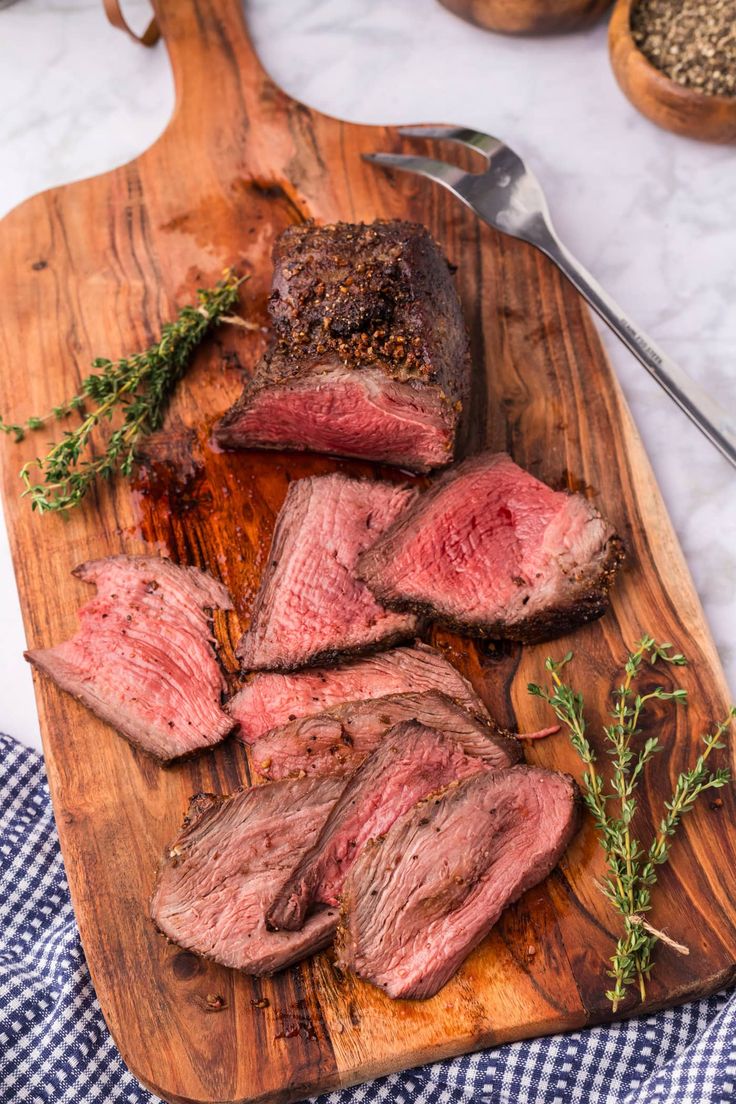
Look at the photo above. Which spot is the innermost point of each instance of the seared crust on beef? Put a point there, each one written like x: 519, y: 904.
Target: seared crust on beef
x: 589, y: 602
x: 384, y: 289
x: 331, y: 657
x: 487, y: 525
x: 352, y: 300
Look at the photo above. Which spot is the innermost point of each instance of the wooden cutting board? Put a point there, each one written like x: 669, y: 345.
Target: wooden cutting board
x: 96, y: 268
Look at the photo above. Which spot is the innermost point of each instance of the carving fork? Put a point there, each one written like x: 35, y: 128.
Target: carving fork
x: 507, y: 196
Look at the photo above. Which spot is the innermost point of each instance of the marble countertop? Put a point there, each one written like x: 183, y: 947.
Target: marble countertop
x: 652, y: 215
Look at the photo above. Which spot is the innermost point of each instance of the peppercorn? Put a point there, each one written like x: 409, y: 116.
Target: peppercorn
x: 691, y: 41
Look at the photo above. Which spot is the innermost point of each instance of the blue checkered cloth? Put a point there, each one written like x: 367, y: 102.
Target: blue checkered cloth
x: 56, y: 1049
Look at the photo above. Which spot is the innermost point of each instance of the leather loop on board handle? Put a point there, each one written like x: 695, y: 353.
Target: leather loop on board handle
x: 115, y: 15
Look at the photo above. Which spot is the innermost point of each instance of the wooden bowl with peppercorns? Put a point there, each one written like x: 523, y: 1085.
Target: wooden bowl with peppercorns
x: 677, y: 64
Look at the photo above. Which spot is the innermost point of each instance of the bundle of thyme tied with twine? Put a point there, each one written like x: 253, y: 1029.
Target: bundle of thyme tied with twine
x: 631, y: 866
x: 140, y: 385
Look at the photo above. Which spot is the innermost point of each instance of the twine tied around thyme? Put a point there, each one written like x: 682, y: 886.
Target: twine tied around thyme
x: 661, y: 936
x: 230, y: 319
x: 140, y: 386
x: 632, y: 868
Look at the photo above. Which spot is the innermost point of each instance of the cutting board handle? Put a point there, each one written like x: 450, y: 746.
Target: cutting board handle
x: 212, y: 57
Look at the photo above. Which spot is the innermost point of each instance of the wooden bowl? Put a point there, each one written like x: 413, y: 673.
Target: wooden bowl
x: 667, y: 103
x: 521, y: 17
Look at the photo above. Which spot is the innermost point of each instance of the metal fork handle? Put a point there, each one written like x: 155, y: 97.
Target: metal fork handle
x: 716, y: 423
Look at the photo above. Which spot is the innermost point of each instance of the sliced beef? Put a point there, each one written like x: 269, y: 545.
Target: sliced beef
x: 419, y: 900
x: 269, y: 699
x: 412, y: 762
x: 232, y: 855
x: 340, y: 738
x: 143, y: 657
x: 490, y: 550
x: 370, y: 354
x: 310, y: 606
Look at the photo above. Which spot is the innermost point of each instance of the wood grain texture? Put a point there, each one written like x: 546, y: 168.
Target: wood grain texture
x: 529, y: 17
x: 96, y: 268
x: 670, y: 105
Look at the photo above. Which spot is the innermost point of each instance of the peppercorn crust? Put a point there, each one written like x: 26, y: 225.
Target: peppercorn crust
x: 376, y: 299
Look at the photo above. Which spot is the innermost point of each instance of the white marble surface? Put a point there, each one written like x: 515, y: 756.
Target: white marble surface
x: 653, y: 216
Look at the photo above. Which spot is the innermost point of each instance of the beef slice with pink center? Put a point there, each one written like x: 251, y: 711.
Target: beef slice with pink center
x: 311, y: 607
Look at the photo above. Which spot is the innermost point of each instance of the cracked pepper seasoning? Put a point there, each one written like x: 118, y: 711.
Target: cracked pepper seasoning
x: 691, y: 41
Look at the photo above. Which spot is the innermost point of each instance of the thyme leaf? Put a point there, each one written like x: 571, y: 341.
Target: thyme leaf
x: 138, y: 387
x: 612, y: 801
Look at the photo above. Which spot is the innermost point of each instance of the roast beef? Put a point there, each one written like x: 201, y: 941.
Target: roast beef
x: 310, y: 606
x: 341, y: 737
x: 418, y: 901
x: 232, y: 855
x: 143, y: 658
x: 412, y: 762
x: 369, y: 356
x: 270, y: 699
x: 491, y: 551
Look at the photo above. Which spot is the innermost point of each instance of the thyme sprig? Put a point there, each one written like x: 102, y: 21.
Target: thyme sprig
x: 139, y: 386
x: 632, y: 867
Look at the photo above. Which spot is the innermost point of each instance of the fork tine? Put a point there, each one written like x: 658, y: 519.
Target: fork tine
x: 471, y: 139
x: 449, y: 175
